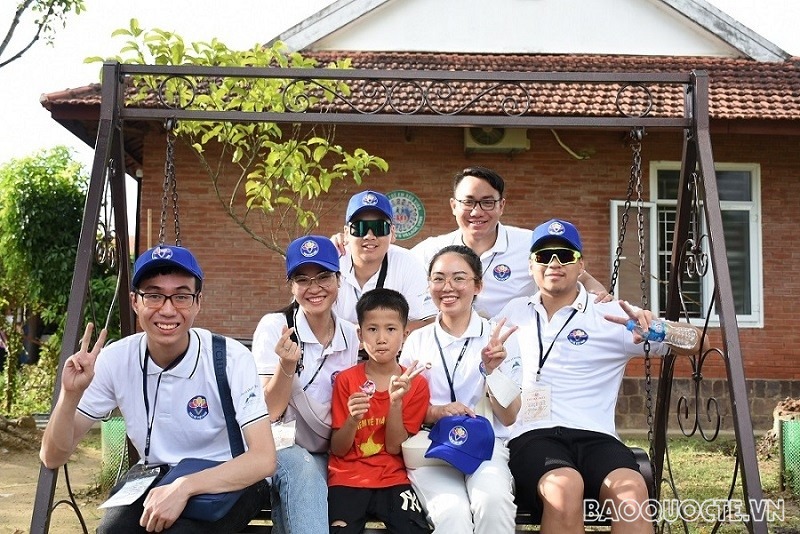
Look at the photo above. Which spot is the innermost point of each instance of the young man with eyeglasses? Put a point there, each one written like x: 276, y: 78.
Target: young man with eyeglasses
x: 163, y: 381
x: 564, y: 447
x: 372, y: 260
x: 477, y: 205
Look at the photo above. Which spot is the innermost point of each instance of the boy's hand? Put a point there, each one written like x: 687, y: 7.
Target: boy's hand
x: 494, y: 353
x: 357, y: 405
x: 399, y: 385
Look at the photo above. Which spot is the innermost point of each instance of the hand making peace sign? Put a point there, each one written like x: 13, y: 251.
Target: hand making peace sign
x: 494, y: 353
x: 79, y: 368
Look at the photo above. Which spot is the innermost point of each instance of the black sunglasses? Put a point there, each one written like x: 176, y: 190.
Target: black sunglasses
x: 565, y: 256
x: 380, y: 228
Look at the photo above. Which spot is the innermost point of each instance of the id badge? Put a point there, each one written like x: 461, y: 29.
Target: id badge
x: 283, y: 433
x: 137, y: 481
x: 536, y: 403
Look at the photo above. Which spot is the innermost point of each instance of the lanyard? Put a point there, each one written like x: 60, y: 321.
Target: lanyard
x: 381, y: 275
x: 451, y: 378
x: 303, y: 350
x: 148, y: 418
x: 544, y: 355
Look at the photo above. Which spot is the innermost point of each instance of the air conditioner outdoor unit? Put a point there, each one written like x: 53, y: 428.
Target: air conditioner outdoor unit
x: 503, y: 140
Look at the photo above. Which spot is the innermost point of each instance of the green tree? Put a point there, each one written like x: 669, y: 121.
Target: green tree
x: 41, y: 210
x: 47, y: 16
x: 275, y: 191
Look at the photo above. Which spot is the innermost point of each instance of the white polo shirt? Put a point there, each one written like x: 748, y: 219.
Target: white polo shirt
x: 468, y: 382
x: 585, y: 366
x: 319, y: 368
x: 404, y: 273
x: 184, y: 403
x: 505, y: 266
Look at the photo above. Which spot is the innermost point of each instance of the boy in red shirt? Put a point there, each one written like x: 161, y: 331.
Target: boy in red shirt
x: 376, y: 406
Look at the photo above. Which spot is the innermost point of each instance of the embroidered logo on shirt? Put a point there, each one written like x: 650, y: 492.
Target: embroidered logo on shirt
x: 578, y: 336
x: 197, y: 407
x: 501, y: 272
x: 333, y: 377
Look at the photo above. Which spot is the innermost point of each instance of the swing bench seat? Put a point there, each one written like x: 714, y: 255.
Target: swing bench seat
x: 525, y: 520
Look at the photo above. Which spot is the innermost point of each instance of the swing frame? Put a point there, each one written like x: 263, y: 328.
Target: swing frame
x: 110, y: 155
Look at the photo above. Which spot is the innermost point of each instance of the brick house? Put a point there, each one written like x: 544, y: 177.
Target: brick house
x: 573, y: 173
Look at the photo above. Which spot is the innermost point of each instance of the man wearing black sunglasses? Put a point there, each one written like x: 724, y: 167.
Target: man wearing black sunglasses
x: 564, y: 446
x: 477, y: 204
x: 372, y: 260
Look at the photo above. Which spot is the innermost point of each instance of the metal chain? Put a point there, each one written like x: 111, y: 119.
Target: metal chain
x: 636, y: 175
x: 623, y: 226
x: 170, y: 187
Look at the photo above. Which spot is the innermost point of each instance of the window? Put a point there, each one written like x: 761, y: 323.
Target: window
x: 739, y: 191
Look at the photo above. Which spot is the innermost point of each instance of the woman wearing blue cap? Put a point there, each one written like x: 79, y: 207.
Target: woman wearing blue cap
x: 466, y: 357
x: 298, y: 351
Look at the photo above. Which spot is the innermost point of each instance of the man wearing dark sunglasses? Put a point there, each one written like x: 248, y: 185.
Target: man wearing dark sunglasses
x: 564, y: 446
x: 372, y: 260
x: 477, y: 204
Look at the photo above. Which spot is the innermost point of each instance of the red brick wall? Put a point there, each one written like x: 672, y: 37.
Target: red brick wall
x: 245, y: 280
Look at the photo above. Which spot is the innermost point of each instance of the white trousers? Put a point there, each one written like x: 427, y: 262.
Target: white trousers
x: 482, y: 502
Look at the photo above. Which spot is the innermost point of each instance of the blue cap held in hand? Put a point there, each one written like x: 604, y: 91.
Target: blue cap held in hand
x: 462, y: 441
x: 165, y: 255
x: 311, y: 249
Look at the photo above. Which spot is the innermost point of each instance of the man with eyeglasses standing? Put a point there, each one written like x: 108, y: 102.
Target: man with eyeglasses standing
x: 477, y: 205
x: 164, y: 383
x: 564, y: 447
x: 372, y: 260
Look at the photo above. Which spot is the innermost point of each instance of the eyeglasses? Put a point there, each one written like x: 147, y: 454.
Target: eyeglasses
x: 380, y: 228
x: 180, y: 301
x: 486, y: 204
x: 323, y: 280
x: 458, y: 281
x: 565, y: 256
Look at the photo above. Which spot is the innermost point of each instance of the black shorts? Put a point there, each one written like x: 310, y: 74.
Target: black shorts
x: 593, y: 454
x: 397, y: 506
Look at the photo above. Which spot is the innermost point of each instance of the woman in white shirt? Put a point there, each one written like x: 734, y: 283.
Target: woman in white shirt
x: 466, y: 357
x: 304, y: 358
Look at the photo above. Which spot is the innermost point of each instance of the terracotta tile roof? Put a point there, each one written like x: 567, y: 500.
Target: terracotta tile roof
x: 739, y: 88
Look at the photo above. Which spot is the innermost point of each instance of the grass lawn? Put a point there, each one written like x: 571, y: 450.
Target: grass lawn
x: 703, y: 471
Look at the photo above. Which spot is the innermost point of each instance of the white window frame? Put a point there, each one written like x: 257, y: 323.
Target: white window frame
x: 631, y: 234
x: 755, y: 319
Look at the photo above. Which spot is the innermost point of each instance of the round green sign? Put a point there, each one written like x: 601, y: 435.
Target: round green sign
x: 409, y: 213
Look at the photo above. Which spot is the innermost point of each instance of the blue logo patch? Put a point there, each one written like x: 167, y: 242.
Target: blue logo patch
x: 501, y: 272
x: 309, y: 248
x: 458, y: 435
x: 578, y: 336
x: 556, y: 228
x: 369, y: 200
x: 197, y: 408
x: 333, y: 377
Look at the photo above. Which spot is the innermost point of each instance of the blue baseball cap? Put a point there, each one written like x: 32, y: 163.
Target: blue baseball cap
x: 165, y: 255
x: 368, y: 200
x: 462, y: 441
x: 314, y: 249
x: 557, y: 229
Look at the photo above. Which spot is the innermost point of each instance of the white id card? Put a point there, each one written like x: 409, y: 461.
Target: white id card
x: 536, y: 403
x: 137, y: 482
x: 283, y: 434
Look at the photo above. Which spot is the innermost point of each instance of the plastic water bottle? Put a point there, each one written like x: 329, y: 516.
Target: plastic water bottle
x: 681, y: 337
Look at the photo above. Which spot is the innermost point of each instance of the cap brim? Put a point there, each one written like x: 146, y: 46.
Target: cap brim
x: 459, y: 459
x: 320, y: 263
x: 155, y: 264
